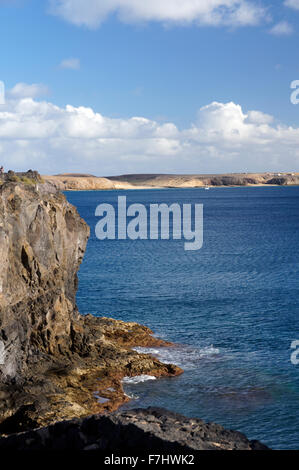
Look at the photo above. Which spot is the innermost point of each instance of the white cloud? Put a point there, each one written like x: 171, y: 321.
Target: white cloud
x: 282, y: 29
x: 257, y: 117
x: 224, y: 138
x: 71, y: 64
x: 292, y: 4
x: 91, y: 13
x: 24, y: 90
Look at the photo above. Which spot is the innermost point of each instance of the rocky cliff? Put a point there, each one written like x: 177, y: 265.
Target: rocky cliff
x: 42, y: 242
x: 56, y: 365
x: 53, y: 361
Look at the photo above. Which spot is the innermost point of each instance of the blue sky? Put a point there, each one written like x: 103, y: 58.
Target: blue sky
x: 161, y: 65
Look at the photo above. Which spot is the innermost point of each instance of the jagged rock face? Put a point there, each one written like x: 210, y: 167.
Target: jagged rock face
x: 53, y: 361
x: 42, y: 242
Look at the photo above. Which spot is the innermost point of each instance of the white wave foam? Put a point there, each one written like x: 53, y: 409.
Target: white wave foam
x: 132, y: 396
x: 137, y: 379
x: 209, y: 351
x: 182, y: 356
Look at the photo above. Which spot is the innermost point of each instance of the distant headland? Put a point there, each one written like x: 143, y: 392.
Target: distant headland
x: 81, y: 181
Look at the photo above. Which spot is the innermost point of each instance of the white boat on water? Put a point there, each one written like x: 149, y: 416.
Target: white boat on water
x: 207, y: 187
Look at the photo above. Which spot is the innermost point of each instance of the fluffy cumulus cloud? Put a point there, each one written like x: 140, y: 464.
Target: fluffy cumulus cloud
x: 92, y: 13
x: 52, y: 139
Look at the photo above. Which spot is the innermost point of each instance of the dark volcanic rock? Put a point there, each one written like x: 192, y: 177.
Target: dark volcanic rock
x: 130, y: 431
x: 42, y: 242
x: 51, y: 357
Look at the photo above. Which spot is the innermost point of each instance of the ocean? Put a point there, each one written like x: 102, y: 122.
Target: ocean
x: 232, y: 307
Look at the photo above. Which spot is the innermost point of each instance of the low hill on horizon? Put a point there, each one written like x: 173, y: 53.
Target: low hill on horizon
x: 83, y: 181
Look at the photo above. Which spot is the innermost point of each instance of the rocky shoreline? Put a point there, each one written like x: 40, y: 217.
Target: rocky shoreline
x: 145, y: 431
x: 55, y: 364
x: 87, y: 381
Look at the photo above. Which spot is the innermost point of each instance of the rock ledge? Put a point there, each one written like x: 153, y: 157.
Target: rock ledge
x: 151, y: 430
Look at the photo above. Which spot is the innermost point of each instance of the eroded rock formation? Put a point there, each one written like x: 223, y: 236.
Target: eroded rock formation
x: 53, y: 360
x: 42, y: 242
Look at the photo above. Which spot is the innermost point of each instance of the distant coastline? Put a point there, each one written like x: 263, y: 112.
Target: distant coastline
x: 86, y: 182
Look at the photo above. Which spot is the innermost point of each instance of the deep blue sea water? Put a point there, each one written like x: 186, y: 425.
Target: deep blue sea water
x: 232, y: 307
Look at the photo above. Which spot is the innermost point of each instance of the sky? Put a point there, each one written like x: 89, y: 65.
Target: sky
x: 109, y: 87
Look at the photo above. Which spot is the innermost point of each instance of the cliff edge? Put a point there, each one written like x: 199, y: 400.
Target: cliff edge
x: 55, y: 363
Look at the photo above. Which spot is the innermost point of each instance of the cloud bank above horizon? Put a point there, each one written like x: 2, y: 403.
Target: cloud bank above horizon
x: 92, y: 13
x: 52, y: 139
